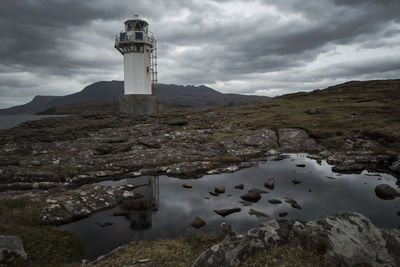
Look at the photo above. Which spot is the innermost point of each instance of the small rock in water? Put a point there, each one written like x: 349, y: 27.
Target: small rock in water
x: 213, y: 194
x: 283, y: 214
x: 319, y: 161
x: 296, y: 206
x: 206, y: 197
x: 135, y: 174
x: 270, y: 183
x: 296, y: 181
x: 239, y: 186
x: 105, y: 224
x: 198, y: 222
x: 386, y: 192
x: 280, y: 157
x: 290, y: 200
x: 274, y: 201
x: 259, y: 214
x: 226, y: 212
x: 187, y: 186
x: 258, y: 191
x: 226, y: 229
x: 309, y: 190
x: 245, y: 203
x: 251, y: 196
x: 301, y: 165
x: 219, y: 189
x: 120, y: 213
x: 398, y: 213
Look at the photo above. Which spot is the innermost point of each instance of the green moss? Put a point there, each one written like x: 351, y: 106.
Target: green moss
x: 45, y: 245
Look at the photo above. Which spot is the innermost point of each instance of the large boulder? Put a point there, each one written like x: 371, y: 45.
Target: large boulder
x: 345, y: 239
x: 296, y: 140
x: 11, y: 250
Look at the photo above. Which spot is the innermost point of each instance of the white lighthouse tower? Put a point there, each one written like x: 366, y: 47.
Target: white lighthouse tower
x: 139, y: 48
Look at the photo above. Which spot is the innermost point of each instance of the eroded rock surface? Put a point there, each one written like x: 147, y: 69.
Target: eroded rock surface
x: 346, y: 239
x: 77, y: 150
x: 83, y: 201
x: 357, y: 154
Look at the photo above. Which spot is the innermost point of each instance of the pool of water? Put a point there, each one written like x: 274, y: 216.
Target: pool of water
x: 9, y: 121
x: 320, y: 192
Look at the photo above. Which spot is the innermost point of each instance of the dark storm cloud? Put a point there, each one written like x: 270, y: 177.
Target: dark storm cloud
x: 236, y: 46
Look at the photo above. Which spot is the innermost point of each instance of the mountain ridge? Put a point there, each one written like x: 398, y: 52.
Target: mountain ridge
x: 109, y: 91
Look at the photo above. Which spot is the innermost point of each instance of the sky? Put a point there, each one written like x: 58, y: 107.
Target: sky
x: 264, y: 47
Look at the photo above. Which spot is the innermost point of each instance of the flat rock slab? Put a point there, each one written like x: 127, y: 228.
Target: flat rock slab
x: 81, y: 202
x: 226, y: 212
x: 296, y: 140
x: 350, y: 239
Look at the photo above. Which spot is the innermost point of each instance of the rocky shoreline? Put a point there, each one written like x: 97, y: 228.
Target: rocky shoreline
x: 345, y: 239
x: 63, y: 157
x: 59, y: 161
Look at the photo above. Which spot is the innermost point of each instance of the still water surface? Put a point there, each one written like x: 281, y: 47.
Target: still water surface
x: 9, y: 121
x: 178, y: 206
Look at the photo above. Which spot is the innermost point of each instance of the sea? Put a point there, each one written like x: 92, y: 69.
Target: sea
x: 10, y: 121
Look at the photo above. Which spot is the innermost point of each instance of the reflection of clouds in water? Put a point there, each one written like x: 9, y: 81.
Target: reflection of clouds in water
x: 179, y: 206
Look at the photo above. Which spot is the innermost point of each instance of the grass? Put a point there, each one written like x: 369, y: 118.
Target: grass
x: 177, y: 252
x: 286, y: 256
x: 45, y: 245
x: 183, y: 251
x: 369, y: 109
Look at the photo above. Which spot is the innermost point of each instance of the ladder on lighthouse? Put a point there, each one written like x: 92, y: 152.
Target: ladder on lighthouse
x: 153, y: 65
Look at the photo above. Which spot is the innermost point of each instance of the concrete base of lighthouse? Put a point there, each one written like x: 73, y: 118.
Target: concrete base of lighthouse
x: 138, y: 104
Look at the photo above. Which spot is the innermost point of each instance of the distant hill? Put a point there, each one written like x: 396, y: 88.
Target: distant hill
x: 104, y: 95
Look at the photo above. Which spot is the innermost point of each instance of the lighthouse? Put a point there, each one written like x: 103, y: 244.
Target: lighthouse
x: 139, y: 49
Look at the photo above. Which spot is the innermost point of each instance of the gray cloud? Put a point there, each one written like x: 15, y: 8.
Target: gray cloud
x: 265, y: 47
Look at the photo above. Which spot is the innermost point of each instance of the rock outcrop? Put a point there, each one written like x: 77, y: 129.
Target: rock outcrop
x: 75, y: 150
x: 62, y: 207
x: 345, y: 239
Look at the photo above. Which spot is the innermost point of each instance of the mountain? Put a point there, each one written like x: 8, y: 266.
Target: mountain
x: 104, y: 95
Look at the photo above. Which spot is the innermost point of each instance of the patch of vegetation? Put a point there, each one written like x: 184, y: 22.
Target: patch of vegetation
x: 286, y: 256
x: 181, y: 251
x: 368, y: 109
x: 45, y: 245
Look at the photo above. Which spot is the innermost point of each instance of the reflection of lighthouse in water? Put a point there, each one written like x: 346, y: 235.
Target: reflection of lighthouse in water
x: 142, y: 204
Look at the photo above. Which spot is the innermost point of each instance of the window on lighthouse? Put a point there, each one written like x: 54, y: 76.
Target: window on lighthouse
x: 139, y: 35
